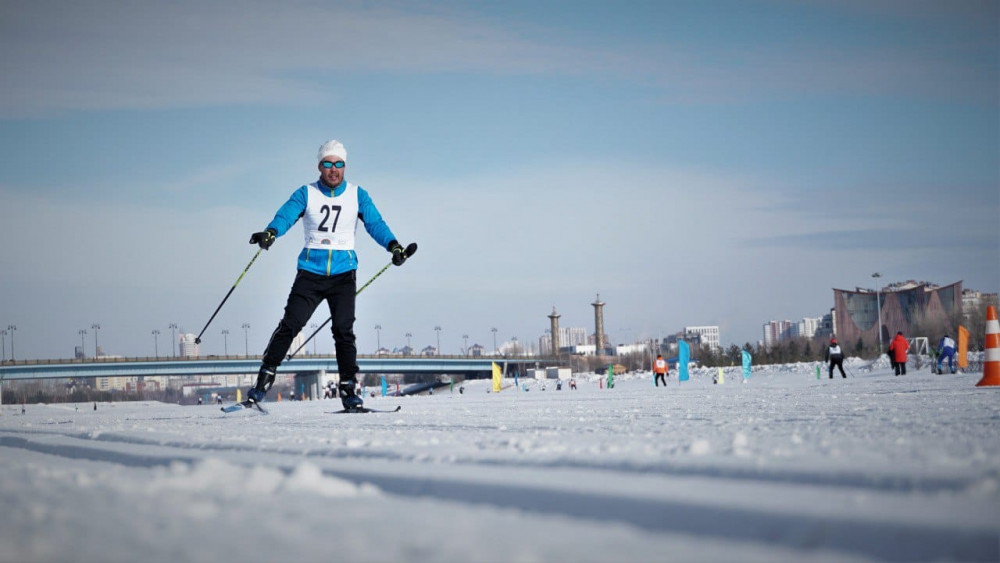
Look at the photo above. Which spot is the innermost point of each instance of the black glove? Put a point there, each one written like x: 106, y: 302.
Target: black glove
x: 398, y: 254
x: 264, y: 238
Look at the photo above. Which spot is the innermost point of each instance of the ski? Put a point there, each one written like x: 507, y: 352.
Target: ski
x: 244, y: 405
x: 364, y: 410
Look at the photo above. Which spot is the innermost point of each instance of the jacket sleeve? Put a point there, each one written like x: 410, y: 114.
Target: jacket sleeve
x: 374, y: 224
x: 290, y: 212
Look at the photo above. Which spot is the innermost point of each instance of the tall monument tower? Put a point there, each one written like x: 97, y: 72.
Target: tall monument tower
x: 598, y: 325
x: 554, y: 319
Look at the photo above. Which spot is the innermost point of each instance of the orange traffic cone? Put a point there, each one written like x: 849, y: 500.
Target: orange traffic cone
x: 991, y: 362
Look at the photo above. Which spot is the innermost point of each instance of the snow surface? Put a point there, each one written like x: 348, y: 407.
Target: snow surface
x: 784, y: 467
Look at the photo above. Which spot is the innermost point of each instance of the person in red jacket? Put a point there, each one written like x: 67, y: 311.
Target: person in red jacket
x: 897, y: 352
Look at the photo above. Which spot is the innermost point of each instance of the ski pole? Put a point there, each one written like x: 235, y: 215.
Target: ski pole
x: 197, y: 340
x: 409, y: 251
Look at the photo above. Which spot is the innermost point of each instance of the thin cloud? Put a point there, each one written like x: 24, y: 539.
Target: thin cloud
x: 59, y: 56
x: 899, y: 239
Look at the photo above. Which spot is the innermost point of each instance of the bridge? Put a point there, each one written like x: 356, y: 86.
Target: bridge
x: 470, y: 367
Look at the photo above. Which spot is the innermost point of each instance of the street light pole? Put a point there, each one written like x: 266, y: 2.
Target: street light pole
x: 3, y: 346
x: 156, y: 342
x: 438, y: 329
x: 83, y: 342
x: 314, y: 327
x: 878, y: 304
x: 465, y: 337
x: 225, y: 340
x: 378, y: 338
x: 96, y: 328
x: 494, y: 330
x: 173, y: 338
x: 12, y: 328
x: 408, y: 347
x: 246, y: 339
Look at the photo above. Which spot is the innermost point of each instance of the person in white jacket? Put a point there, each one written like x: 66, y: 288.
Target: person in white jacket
x: 835, y: 356
x: 946, y: 349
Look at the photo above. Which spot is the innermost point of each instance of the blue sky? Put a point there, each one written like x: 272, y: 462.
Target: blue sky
x: 695, y: 163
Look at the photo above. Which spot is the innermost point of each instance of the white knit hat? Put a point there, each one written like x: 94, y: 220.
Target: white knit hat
x: 332, y: 147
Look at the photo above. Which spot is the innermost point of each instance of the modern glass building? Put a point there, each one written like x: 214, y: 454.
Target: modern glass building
x: 857, y: 312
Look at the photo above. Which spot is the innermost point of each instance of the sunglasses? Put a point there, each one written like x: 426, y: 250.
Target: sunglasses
x: 327, y: 164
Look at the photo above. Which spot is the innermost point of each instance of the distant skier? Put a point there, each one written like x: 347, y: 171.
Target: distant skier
x: 327, y: 266
x: 660, y: 369
x: 835, y: 356
x: 946, y: 349
x: 897, y: 352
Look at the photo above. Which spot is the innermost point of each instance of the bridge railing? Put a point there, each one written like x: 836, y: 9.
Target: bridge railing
x: 131, y: 359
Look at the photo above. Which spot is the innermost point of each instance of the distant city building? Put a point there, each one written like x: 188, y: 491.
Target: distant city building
x: 825, y: 329
x: 188, y: 347
x: 900, y: 304
x: 695, y: 336
x: 972, y: 300
x: 669, y: 343
x: 114, y: 383
x: 476, y: 351
x: 776, y: 331
x: 568, y: 338
x: 626, y: 349
x: 709, y: 335
x: 429, y: 351
x: 807, y: 327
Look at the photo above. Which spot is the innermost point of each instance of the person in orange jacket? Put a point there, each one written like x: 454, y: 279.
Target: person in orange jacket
x: 897, y: 352
x: 660, y: 369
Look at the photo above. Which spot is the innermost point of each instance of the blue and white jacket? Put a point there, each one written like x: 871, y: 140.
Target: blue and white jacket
x: 329, y: 261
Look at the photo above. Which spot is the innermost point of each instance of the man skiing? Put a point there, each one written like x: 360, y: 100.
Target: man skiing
x: 835, y: 356
x: 946, y: 348
x: 327, y: 266
x: 660, y: 369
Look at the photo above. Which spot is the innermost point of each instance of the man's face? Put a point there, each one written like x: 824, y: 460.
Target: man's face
x: 331, y: 176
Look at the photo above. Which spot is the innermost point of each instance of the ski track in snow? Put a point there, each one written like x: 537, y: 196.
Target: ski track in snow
x: 783, y: 468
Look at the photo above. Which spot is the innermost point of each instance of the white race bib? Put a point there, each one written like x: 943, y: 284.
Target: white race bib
x: 330, y: 222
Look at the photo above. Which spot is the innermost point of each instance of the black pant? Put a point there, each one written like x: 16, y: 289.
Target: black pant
x: 308, y: 291
x: 660, y: 377
x: 839, y: 362
x: 900, y: 368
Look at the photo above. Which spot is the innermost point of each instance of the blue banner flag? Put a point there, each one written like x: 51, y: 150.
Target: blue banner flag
x: 747, y: 359
x: 385, y: 386
x: 683, y: 357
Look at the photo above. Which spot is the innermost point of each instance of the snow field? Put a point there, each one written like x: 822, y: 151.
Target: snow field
x: 782, y: 468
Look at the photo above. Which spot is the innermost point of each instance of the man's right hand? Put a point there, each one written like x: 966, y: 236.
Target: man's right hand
x: 264, y: 238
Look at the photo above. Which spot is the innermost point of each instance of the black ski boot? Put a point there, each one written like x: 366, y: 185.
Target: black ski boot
x: 350, y: 399
x: 265, y: 379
